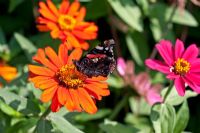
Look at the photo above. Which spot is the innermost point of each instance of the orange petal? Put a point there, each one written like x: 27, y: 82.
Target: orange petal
x: 74, y: 96
x: 64, y: 6
x: 44, y: 10
x: 69, y: 104
x: 55, y: 105
x: 93, y: 92
x: 8, y: 73
x: 81, y: 14
x: 46, y: 84
x: 52, y: 7
x: 84, y: 35
x: 53, y: 57
x: 38, y: 79
x: 99, y: 78
x: 63, y: 53
x: 99, y: 84
x: 48, y: 94
x: 86, y: 101
x: 84, y: 46
x: 52, y: 26
x: 73, y: 8
x: 42, y: 20
x: 92, y: 28
x: 97, y: 90
x: 38, y: 70
x: 55, y: 33
x: 42, y: 28
x: 73, y: 41
x: 74, y: 55
x: 62, y: 95
x: 40, y: 58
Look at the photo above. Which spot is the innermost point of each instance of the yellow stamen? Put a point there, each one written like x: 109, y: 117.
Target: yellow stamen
x: 181, y: 66
x: 69, y: 76
x: 66, y: 22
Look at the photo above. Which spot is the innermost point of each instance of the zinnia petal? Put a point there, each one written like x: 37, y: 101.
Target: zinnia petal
x: 157, y: 65
x: 55, y: 105
x: 165, y: 49
x: 48, y: 94
x: 75, y: 55
x: 180, y: 86
x: 191, y: 53
x: 179, y: 49
x: 64, y: 7
x: 86, y: 101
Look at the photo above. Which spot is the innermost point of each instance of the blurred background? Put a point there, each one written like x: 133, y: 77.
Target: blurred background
x: 136, y: 26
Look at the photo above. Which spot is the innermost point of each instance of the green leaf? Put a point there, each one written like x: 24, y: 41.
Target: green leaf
x: 23, y: 126
x: 115, y: 127
x: 144, y: 5
x: 13, y: 4
x: 133, y: 49
x: 174, y: 99
x: 83, y: 117
x: 62, y: 124
x: 182, y: 17
x: 8, y: 110
x: 163, y: 117
x: 96, y: 9
x: 139, y: 106
x: 14, y: 47
x: 115, y: 82
x: 26, y: 45
x: 182, y: 118
x: 128, y: 12
x: 44, y: 126
x: 140, y: 122
x: 21, y: 104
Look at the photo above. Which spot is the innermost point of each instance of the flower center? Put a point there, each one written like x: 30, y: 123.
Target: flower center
x: 66, y: 22
x: 181, y: 66
x: 70, y: 77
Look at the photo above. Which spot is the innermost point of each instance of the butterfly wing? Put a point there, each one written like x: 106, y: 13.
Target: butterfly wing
x: 99, y: 61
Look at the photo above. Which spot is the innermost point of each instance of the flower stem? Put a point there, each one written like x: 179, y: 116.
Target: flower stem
x: 168, y: 91
x: 43, y: 116
x: 118, y: 108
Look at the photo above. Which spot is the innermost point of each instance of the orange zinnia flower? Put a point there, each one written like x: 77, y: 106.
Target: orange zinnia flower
x: 67, y: 23
x: 8, y: 73
x: 63, y: 84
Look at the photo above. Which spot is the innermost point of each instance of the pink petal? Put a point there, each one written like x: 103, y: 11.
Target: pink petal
x: 192, y: 85
x: 166, y: 51
x: 157, y: 65
x: 179, y: 49
x: 121, y: 66
x: 180, y: 86
x: 195, y: 77
x: 195, y: 66
x: 153, y: 97
x: 191, y: 53
x: 172, y: 76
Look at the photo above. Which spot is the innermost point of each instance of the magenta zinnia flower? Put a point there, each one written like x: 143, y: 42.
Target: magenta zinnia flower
x: 180, y: 65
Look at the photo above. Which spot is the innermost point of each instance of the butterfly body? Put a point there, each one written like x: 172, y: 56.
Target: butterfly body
x: 99, y: 61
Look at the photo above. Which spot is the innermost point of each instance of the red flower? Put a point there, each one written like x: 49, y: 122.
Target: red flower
x: 180, y: 64
x: 63, y: 84
x: 67, y: 23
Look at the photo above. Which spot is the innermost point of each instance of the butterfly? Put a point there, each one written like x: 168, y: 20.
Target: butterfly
x: 99, y: 61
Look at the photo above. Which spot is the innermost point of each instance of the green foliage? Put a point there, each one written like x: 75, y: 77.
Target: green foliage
x: 128, y: 12
x: 146, y: 22
x: 163, y: 117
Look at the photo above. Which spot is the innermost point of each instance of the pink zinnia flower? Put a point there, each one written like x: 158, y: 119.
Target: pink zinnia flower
x: 180, y: 65
x: 141, y: 82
